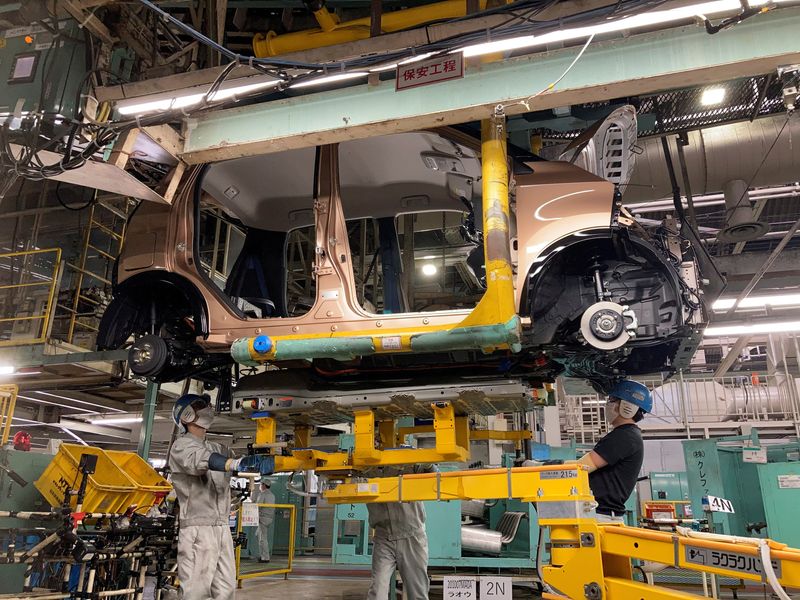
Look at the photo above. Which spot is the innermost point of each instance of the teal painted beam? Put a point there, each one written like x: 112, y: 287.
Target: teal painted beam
x: 639, y: 64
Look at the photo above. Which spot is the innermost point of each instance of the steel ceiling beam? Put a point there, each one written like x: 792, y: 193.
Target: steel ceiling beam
x: 631, y: 66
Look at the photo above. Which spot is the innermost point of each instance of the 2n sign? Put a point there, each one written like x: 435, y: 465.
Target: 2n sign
x: 716, y: 504
x: 495, y: 588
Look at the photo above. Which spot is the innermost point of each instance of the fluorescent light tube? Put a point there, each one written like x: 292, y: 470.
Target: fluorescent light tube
x: 758, y: 302
x: 407, y: 61
x: 329, y: 79
x: 755, y: 328
x: 645, y: 19
x: 185, y: 98
x: 116, y: 421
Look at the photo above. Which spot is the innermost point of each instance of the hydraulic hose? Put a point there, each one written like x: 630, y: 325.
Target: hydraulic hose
x: 766, y: 564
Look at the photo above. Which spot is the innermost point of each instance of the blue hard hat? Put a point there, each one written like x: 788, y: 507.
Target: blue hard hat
x: 633, y: 392
x: 186, y: 407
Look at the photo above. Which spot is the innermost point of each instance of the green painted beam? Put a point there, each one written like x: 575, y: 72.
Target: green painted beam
x: 638, y: 64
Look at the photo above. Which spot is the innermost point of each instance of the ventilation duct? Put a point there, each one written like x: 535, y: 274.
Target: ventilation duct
x: 739, y: 223
x: 718, y: 155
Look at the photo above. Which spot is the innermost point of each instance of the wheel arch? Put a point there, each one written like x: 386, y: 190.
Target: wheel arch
x: 130, y: 308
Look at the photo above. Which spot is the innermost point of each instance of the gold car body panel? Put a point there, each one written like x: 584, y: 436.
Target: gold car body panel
x: 554, y: 201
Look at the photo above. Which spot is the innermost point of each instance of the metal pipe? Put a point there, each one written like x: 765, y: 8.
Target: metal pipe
x: 766, y: 266
x: 478, y: 539
x: 714, y: 199
x: 148, y: 415
x: 331, y: 32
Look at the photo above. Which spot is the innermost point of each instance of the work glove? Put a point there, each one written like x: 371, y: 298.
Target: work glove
x: 263, y: 465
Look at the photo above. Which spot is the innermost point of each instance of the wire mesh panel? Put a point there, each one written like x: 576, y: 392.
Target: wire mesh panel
x: 688, y: 109
x: 28, y: 281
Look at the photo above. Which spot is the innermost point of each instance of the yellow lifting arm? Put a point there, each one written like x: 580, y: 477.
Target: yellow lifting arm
x: 588, y: 560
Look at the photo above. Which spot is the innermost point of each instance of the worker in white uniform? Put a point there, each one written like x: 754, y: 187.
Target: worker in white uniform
x: 266, y: 514
x: 400, y: 542
x: 201, y: 472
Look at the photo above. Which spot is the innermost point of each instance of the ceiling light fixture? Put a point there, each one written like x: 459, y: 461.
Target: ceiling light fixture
x: 712, y: 96
x: 752, y: 329
x: 429, y: 270
x: 646, y: 19
x: 116, y: 421
x: 7, y: 370
x: 757, y: 302
x: 329, y: 79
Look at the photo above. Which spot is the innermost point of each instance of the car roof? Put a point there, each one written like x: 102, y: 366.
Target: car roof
x: 379, y: 177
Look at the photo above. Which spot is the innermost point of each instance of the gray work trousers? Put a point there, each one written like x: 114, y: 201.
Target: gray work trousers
x: 410, y: 557
x: 206, y: 564
x: 263, y: 538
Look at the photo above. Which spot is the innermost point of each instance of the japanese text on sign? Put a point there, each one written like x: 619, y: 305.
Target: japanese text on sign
x: 249, y: 514
x: 459, y: 588
x: 495, y: 588
x: 754, y: 455
x: 735, y: 561
x: 433, y: 70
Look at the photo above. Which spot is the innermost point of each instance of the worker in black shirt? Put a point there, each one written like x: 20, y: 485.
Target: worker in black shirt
x: 616, y: 460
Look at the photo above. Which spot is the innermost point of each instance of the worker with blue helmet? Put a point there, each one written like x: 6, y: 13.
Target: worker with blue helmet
x: 201, y: 472
x: 616, y: 460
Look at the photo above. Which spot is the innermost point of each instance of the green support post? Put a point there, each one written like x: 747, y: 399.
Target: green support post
x: 148, y: 414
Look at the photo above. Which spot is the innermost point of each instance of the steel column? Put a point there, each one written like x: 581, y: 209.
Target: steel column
x: 148, y: 414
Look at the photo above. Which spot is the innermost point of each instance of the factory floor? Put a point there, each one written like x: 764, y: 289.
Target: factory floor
x: 318, y: 578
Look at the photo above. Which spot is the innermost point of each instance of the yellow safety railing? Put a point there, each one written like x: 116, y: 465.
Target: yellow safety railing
x: 28, y: 287
x: 8, y: 400
x: 290, y: 557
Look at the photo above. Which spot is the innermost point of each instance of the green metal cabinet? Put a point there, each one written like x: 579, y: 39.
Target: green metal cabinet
x: 780, y: 487
x: 31, y: 71
x: 29, y: 466
x: 669, y: 486
x: 717, y: 468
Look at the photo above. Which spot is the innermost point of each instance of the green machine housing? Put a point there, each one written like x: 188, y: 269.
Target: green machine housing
x: 14, y: 497
x: 41, y: 71
x: 762, y: 493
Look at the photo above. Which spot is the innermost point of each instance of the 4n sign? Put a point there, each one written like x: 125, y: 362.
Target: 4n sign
x: 715, y: 504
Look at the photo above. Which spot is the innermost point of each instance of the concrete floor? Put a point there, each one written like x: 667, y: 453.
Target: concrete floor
x: 304, y: 589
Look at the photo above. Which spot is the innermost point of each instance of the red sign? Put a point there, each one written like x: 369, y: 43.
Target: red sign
x: 433, y: 70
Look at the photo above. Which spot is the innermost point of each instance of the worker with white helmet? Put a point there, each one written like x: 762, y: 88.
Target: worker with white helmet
x: 615, y: 462
x: 266, y: 514
x: 201, y: 472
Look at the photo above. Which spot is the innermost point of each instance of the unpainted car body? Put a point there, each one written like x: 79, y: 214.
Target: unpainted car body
x: 600, y: 296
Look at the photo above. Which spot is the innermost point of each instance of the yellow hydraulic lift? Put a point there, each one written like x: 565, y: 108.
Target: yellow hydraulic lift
x: 588, y: 559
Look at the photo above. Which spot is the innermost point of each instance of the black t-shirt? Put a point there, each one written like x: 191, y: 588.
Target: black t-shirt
x: 622, y: 448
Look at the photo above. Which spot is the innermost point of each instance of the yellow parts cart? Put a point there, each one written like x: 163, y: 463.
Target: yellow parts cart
x: 589, y: 560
